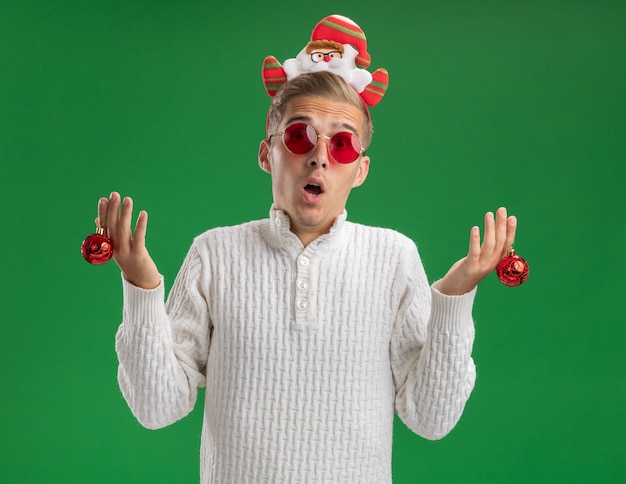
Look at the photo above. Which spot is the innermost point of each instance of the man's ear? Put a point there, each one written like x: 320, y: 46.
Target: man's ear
x: 264, y: 156
x: 361, y: 175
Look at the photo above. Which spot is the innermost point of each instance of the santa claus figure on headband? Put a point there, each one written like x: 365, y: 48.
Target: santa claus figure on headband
x: 327, y: 55
x: 337, y: 45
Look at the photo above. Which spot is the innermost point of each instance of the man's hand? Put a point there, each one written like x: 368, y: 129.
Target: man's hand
x: 481, y: 260
x: 130, y: 251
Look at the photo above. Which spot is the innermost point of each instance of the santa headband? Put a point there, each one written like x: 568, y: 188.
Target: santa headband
x: 337, y: 45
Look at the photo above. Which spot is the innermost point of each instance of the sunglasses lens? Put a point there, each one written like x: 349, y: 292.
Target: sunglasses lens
x: 300, y: 138
x: 345, y: 147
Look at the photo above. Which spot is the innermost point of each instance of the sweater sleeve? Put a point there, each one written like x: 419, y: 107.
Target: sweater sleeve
x: 431, y: 348
x: 163, y: 348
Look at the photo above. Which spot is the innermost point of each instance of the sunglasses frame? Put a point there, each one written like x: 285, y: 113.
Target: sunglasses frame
x: 360, y: 153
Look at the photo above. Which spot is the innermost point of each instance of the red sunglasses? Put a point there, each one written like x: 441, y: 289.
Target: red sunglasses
x: 300, y: 138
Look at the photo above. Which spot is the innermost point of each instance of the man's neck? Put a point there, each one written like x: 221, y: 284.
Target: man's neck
x: 308, y: 235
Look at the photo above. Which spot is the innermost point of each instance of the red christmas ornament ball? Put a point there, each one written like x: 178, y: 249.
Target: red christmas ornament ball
x: 512, y: 270
x: 97, y: 249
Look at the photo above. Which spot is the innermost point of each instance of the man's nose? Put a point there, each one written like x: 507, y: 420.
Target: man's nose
x: 327, y: 57
x: 319, y: 154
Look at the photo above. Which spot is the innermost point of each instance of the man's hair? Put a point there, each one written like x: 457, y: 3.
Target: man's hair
x: 317, y: 84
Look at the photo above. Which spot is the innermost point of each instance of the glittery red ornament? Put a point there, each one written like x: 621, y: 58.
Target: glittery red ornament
x: 97, y: 248
x: 512, y: 270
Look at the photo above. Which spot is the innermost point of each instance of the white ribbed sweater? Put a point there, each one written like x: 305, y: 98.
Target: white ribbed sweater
x: 305, y: 352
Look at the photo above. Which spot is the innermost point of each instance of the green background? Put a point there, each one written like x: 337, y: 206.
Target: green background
x: 490, y: 103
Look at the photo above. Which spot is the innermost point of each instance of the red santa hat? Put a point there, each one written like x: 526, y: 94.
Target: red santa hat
x: 344, y: 31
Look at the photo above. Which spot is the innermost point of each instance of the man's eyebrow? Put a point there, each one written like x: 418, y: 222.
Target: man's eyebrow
x: 306, y: 119
x: 302, y: 118
x: 348, y: 127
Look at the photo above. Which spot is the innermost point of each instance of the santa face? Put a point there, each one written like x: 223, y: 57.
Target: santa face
x: 336, y: 58
x: 312, y: 188
x: 322, y: 59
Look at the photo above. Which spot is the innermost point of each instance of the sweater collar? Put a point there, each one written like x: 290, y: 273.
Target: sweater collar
x: 279, y: 233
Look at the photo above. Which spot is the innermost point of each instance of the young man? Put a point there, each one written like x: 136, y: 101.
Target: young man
x: 309, y: 331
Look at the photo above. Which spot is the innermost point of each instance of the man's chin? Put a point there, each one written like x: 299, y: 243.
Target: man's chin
x: 309, y: 217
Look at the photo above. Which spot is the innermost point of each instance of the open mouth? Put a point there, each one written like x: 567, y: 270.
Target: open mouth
x: 313, y: 189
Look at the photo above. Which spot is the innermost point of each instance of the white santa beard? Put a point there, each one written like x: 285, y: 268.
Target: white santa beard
x: 318, y: 67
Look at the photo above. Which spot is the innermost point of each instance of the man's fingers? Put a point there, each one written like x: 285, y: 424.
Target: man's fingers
x: 113, y: 215
x: 489, y: 239
x: 123, y: 230
x: 474, y: 246
x: 511, y: 228
x: 501, y: 230
x: 140, y: 229
x: 118, y: 221
x: 103, y: 207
